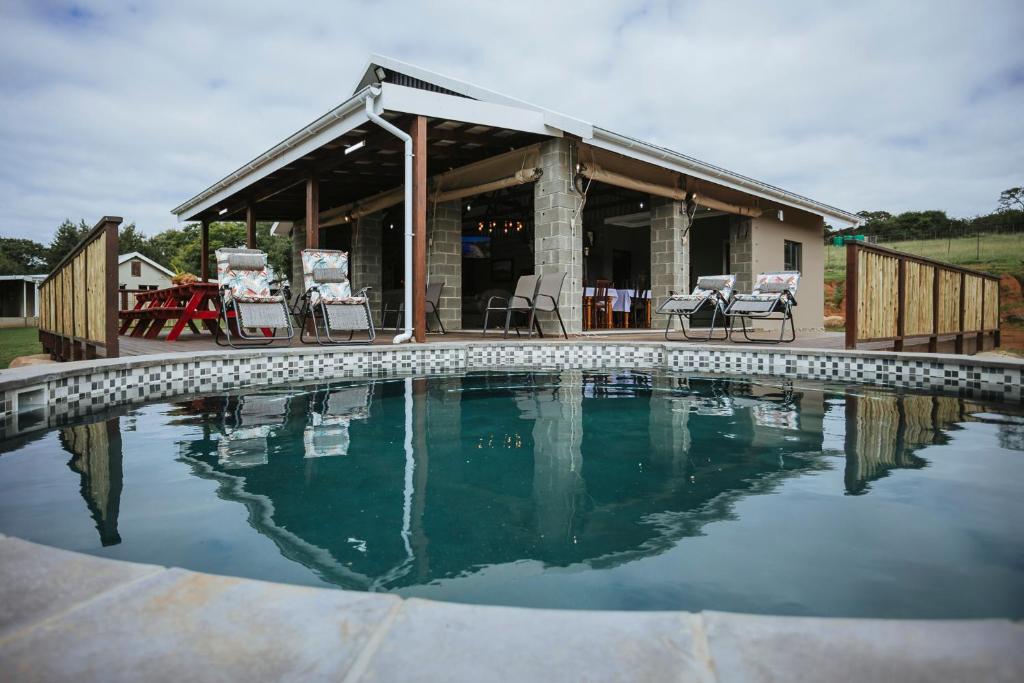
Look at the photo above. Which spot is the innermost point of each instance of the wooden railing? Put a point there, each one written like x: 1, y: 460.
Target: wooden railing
x: 896, y: 297
x: 78, y: 300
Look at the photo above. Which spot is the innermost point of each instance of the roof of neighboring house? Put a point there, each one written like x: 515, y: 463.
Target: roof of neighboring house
x: 411, y: 89
x: 125, y: 258
x: 25, y: 278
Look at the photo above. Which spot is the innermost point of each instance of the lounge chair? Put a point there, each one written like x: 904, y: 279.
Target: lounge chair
x: 329, y: 302
x: 396, y: 305
x: 244, y: 280
x: 712, y: 294
x: 521, y: 302
x: 773, y: 298
x: 331, y: 412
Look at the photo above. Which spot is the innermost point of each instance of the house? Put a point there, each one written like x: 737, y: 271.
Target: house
x: 19, y: 300
x: 138, y: 272
x: 425, y: 177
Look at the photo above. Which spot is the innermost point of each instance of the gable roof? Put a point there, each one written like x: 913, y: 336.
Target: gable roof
x: 125, y: 258
x: 414, y: 90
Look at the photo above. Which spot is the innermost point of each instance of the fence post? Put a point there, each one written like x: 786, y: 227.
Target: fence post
x: 901, y: 298
x: 110, y: 243
x: 933, y: 341
x: 959, y: 344
x: 851, y: 294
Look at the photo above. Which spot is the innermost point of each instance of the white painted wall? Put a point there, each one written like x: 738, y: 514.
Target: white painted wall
x: 149, y: 276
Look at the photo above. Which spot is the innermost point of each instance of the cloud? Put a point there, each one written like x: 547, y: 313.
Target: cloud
x: 874, y: 105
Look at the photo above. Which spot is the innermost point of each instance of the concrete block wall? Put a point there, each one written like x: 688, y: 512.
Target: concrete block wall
x: 444, y: 260
x: 741, y: 252
x: 670, y: 254
x: 365, y: 264
x: 558, y: 245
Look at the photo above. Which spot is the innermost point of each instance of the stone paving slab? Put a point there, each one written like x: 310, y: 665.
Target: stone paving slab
x: 756, y: 648
x: 178, y: 625
x: 435, y: 641
x: 38, y: 582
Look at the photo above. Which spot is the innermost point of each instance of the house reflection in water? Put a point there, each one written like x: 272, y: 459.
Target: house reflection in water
x: 394, y: 483
x: 96, y: 455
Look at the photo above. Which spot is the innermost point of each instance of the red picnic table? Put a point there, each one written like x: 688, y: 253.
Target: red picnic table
x: 182, y: 305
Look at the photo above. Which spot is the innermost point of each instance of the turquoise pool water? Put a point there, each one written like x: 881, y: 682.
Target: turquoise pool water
x: 555, y: 489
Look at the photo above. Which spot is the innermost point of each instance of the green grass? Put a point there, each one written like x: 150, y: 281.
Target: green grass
x: 997, y: 254
x: 18, y: 341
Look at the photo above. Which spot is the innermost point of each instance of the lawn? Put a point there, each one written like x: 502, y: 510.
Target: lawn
x: 997, y: 254
x: 18, y: 341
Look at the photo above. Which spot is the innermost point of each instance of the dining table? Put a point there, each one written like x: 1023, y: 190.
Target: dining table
x: 195, y: 305
x: 618, y: 300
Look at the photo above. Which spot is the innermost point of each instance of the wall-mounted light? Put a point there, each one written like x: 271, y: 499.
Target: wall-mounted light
x: 353, y: 148
x: 381, y: 73
x: 641, y: 205
x: 222, y: 211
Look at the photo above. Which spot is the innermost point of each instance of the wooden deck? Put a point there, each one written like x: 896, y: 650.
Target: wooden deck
x: 132, y: 346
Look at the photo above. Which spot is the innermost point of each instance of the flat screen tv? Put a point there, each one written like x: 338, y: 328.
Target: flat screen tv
x: 476, y: 246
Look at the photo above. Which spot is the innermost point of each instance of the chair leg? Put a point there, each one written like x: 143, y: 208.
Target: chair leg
x: 437, y: 314
x: 562, y: 324
x: 508, y: 323
x: 530, y: 320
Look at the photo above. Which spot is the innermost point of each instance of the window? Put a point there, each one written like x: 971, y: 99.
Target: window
x: 136, y: 268
x: 793, y: 256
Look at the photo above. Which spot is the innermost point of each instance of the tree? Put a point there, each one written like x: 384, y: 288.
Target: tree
x: 21, y: 256
x: 1012, y: 199
x: 131, y: 239
x: 66, y: 238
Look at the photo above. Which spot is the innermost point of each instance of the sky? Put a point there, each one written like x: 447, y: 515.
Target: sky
x: 131, y: 108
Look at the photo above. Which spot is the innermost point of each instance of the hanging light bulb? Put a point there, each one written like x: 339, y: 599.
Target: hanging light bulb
x: 480, y: 226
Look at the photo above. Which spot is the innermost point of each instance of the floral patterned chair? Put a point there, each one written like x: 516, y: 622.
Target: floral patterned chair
x: 329, y: 301
x: 773, y: 298
x: 711, y: 295
x: 250, y: 313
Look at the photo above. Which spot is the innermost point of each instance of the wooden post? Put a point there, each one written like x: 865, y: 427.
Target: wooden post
x: 312, y: 212
x: 959, y: 344
x: 418, y: 131
x: 204, y: 251
x: 933, y: 341
x: 250, y: 226
x: 110, y: 342
x: 901, y: 302
x: 995, y: 335
x: 851, y: 295
x: 979, y: 342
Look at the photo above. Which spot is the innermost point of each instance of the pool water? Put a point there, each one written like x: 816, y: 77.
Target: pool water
x: 584, y: 490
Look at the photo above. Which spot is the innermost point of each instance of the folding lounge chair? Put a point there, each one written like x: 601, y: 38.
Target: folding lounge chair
x: 246, y: 302
x: 329, y: 301
x: 520, y: 302
x: 711, y: 294
x: 773, y: 298
x: 331, y: 412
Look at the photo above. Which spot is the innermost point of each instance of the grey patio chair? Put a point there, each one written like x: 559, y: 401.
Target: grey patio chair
x: 246, y: 303
x: 773, y: 298
x: 396, y: 305
x: 521, y: 302
x: 329, y: 301
x: 548, y: 291
x: 712, y: 294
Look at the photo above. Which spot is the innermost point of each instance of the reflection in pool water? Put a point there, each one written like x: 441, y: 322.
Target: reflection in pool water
x: 569, y: 489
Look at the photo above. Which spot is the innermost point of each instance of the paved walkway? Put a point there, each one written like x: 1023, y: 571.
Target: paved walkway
x: 66, y: 616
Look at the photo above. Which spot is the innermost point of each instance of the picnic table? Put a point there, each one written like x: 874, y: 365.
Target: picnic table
x: 182, y: 305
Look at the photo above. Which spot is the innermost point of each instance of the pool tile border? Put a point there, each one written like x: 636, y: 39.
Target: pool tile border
x: 72, y: 390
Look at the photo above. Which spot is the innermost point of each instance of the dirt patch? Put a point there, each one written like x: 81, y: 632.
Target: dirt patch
x: 35, y: 359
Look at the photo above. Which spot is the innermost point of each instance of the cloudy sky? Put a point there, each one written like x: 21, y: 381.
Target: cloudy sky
x: 131, y: 108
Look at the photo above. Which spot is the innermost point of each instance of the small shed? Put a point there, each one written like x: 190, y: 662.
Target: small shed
x: 19, y: 300
x: 139, y: 272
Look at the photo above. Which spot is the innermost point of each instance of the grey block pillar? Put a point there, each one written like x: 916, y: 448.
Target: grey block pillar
x: 670, y: 251
x: 444, y: 260
x: 741, y: 252
x: 366, y: 259
x: 558, y: 246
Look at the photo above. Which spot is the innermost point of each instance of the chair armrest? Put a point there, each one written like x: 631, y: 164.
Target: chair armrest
x: 497, y: 298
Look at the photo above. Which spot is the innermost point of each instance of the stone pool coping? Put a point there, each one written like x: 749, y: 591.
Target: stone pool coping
x: 70, y: 616
x: 66, y: 616
x: 71, y: 390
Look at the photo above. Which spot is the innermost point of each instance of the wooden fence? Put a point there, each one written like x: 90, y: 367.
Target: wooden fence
x: 78, y: 300
x: 894, y: 297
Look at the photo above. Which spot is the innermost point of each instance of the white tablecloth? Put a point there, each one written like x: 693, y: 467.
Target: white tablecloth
x: 622, y: 299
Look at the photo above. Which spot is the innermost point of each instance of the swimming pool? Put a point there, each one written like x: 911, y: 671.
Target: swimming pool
x: 572, y: 489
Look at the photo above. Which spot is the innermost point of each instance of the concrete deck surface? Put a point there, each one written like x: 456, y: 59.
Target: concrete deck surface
x: 66, y: 616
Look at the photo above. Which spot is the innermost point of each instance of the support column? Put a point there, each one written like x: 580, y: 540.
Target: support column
x: 444, y: 259
x: 204, y: 250
x: 741, y: 252
x: 366, y: 264
x: 250, y: 227
x: 557, y: 244
x: 298, y: 283
x: 670, y: 250
x: 418, y: 131
x: 312, y: 212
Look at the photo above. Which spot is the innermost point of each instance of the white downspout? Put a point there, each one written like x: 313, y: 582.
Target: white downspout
x: 407, y: 139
